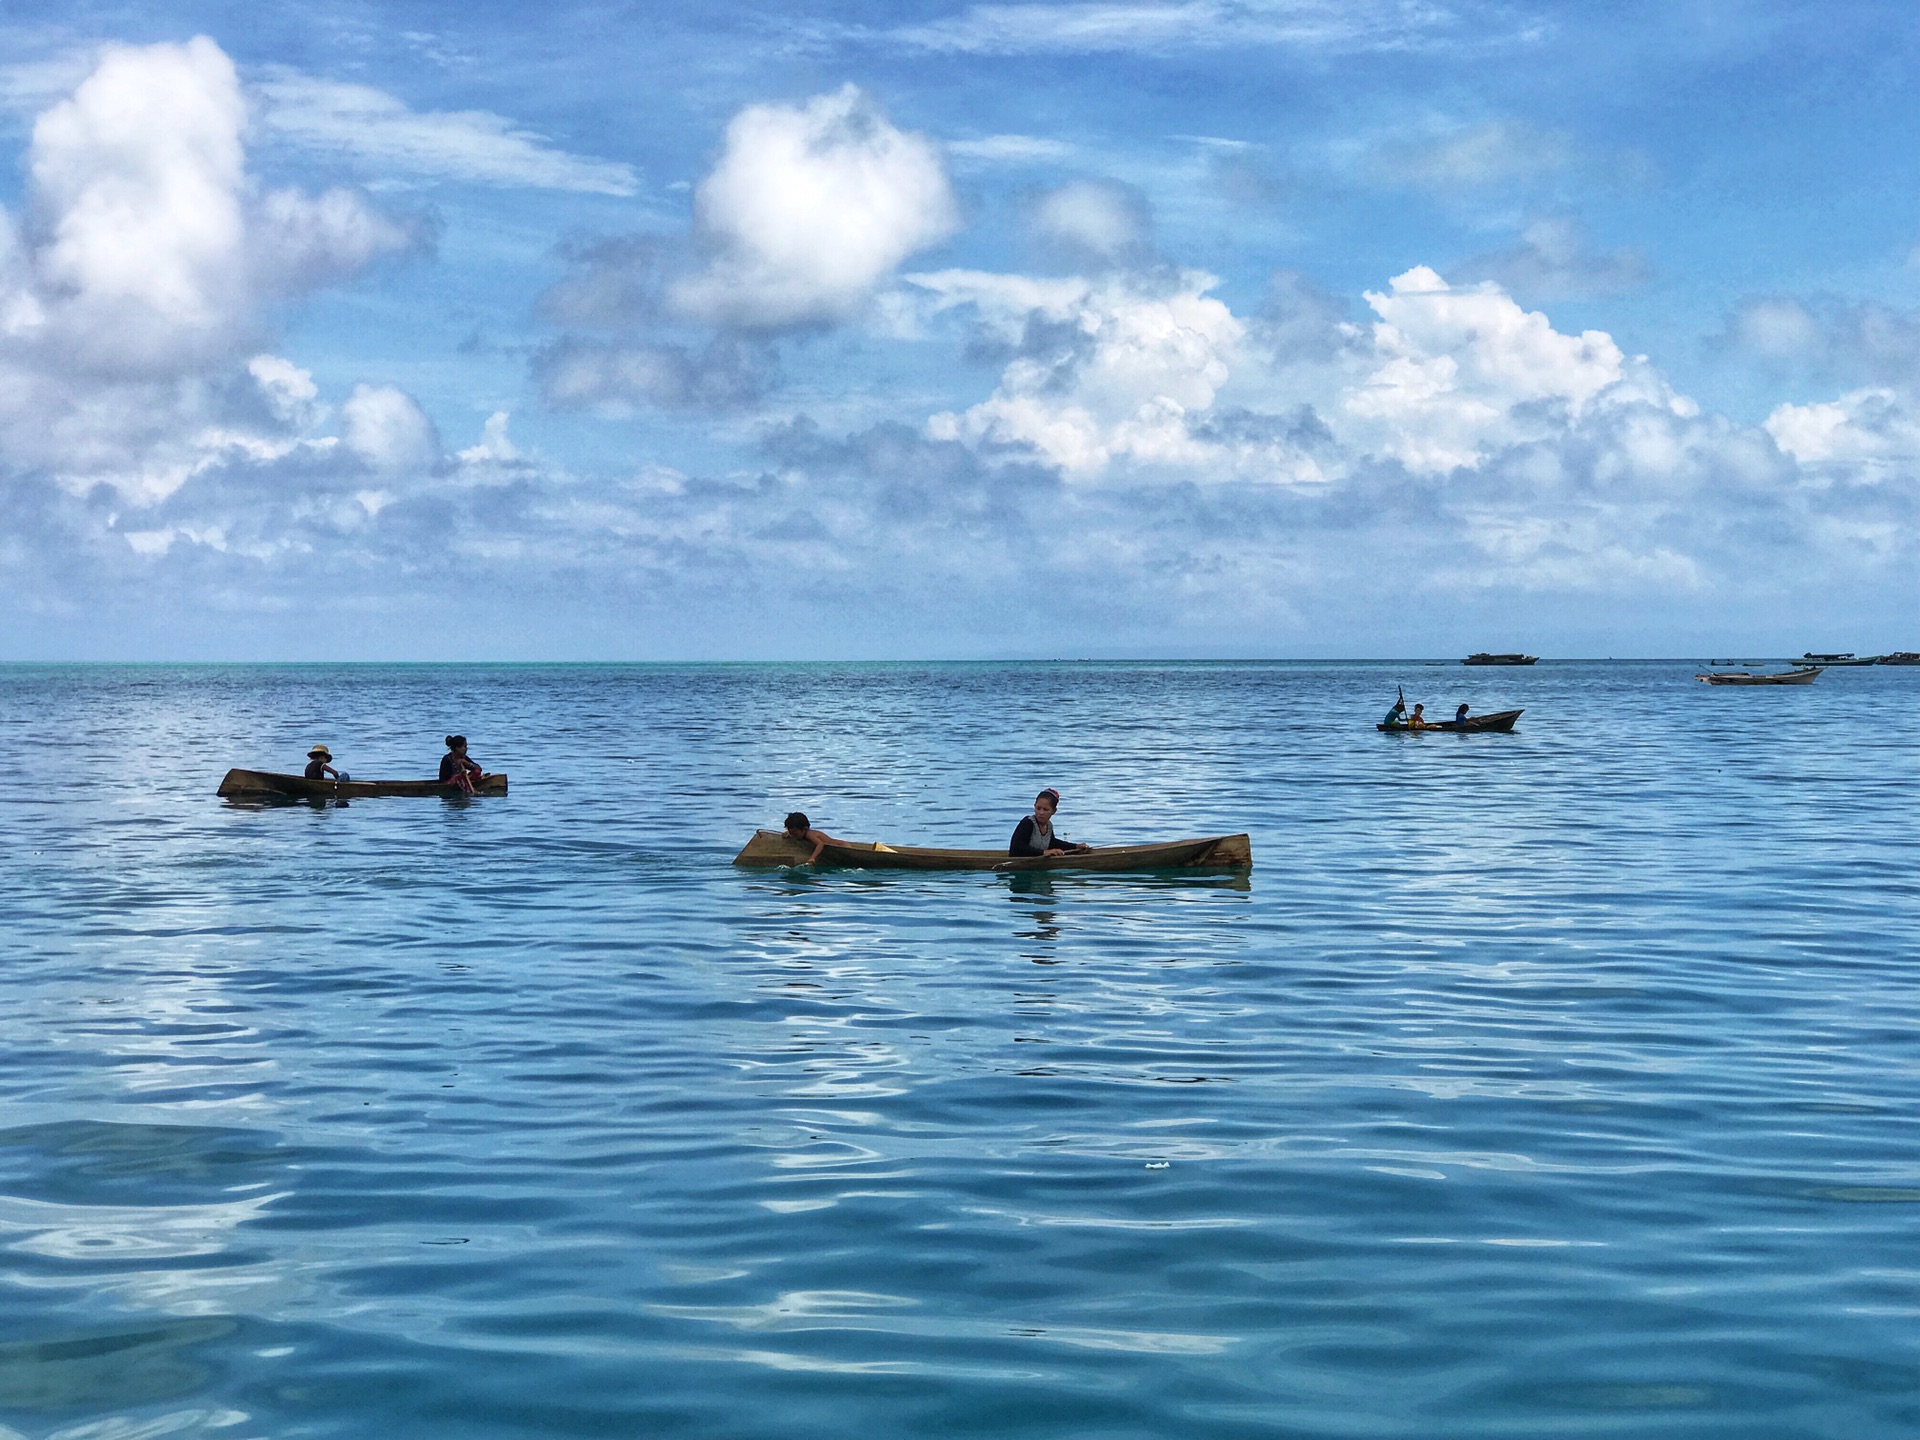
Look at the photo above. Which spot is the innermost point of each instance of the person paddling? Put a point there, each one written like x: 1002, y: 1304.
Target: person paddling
x: 456, y: 769
x: 800, y: 830
x: 1034, y: 834
x: 320, y: 764
x: 1397, y: 715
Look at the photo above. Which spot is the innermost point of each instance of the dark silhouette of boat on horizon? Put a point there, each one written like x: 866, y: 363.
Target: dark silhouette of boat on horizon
x: 1481, y: 657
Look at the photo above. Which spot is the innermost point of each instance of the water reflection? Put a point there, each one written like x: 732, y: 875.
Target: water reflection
x: 132, y: 1365
x: 1033, y: 892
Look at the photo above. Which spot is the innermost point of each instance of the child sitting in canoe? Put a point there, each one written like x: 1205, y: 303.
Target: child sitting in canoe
x: 1034, y: 834
x: 800, y: 830
x: 456, y: 769
x: 1418, y: 720
x: 1397, y: 716
x: 320, y: 764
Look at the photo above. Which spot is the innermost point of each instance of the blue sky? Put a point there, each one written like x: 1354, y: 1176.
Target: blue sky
x: 626, y: 331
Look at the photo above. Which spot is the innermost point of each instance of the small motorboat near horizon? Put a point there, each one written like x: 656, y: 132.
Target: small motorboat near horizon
x: 1481, y: 657
x: 1499, y: 722
x: 770, y: 848
x: 1805, y: 676
x: 1846, y: 657
x: 266, y: 785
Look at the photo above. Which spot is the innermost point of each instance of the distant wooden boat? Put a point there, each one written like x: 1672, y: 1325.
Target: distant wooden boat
x: 1846, y: 657
x: 265, y: 785
x: 1499, y: 720
x: 1901, y: 657
x: 1481, y: 657
x: 1215, y: 852
x: 1741, y: 677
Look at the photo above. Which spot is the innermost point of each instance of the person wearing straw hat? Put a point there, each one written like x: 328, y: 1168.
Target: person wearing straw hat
x: 320, y: 764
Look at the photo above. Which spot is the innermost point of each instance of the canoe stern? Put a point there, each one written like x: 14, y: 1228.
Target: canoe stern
x: 1229, y: 852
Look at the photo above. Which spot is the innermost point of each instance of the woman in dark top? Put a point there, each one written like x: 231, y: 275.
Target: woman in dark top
x: 456, y: 768
x: 1034, y: 834
x: 320, y: 764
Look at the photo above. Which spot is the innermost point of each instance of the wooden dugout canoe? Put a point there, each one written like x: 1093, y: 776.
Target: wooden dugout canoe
x: 265, y: 785
x: 1214, y: 852
x: 1499, y: 720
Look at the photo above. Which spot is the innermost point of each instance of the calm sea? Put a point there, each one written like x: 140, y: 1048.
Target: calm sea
x: 1559, y: 1084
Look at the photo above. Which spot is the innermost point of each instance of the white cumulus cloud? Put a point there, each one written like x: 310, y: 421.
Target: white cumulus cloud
x: 384, y: 427
x: 1120, y: 372
x: 134, y: 292
x: 808, y: 209
x: 1461, y: 371
x: 1872, y: 428
x: 137, y: 179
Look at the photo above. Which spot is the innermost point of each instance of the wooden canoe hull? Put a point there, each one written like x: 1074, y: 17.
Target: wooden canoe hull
x: 1499, y: 722
x: 265, y: 785
x: 1740, y: 677
x: 1215, y: 852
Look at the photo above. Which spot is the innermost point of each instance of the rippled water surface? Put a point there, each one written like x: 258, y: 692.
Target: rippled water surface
x: 1557, y: 1084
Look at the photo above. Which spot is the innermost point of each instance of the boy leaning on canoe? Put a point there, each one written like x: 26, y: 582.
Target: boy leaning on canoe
x: 800, y: 830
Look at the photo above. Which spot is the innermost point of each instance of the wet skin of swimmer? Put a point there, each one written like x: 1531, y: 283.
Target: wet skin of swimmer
x: 1034, y: 834
x: 800, y: 830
